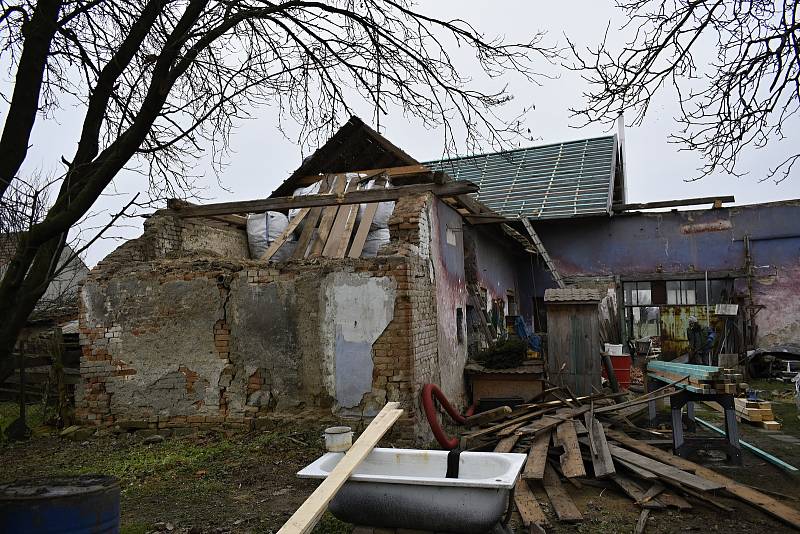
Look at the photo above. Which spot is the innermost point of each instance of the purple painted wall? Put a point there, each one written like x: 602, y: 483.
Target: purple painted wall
x: 687, y: 241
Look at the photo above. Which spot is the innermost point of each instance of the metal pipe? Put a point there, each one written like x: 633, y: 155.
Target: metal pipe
x: 708, y: 315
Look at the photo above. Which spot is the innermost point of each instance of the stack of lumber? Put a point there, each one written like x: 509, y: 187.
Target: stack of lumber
x: 757, y: 412
x: 702, y: 378
x: 579, y: 440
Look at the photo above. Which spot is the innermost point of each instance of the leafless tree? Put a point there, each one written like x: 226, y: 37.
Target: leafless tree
x: 745, y: 95
x: 160, y: 80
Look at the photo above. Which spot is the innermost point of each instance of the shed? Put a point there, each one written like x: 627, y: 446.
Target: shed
x: 573, y: 338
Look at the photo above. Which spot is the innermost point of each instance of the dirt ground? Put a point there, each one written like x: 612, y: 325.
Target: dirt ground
x: 224, y: 482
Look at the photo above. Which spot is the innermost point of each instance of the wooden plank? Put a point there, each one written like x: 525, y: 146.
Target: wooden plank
x: 562, y: 503
x: 311, y: 223
x: 310, y: 201
x: 304, y: 519
x: 675, y: 203
x: 488, y: 416
x: 636, y: 470
x: 527, y: 505
x: 328, y: 217
x: 635, y: 492
x: 663, y: 470
x: 602, y: 463
x: 787, y: 514
x: 278, y: 243
x: 506, y: 444
x: 537, y: 456
x: 473, y: 436
x: 641, y: 524
x: 571, y: 460
x: 307, y: 234
x: 366, y: 222
x: 334, y: 245
x: 653, y: 395
x: 656, y: 489
x: 675, y: 501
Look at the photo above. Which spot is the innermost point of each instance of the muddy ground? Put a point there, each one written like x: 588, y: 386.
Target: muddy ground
x: 225, y: 482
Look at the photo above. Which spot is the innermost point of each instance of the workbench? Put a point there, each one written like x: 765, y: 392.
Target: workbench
x: 682, y: 445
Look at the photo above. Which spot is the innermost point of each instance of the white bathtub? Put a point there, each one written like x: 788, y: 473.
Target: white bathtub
x: 407, y: 488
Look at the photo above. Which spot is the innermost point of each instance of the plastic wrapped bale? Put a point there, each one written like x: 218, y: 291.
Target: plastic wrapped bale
x: 382, y: 214
x: 263, y: 229
x: 375, y: 240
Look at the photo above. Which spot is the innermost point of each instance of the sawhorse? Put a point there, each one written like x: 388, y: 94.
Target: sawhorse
x: 683, y: 446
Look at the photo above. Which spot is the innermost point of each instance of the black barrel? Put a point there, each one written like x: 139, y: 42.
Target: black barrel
x: 82, y: 504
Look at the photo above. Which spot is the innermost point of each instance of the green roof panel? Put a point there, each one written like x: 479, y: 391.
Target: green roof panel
x: 543, y: 182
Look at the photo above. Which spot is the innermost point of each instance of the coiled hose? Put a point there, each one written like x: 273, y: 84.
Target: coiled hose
x: 431, y: 391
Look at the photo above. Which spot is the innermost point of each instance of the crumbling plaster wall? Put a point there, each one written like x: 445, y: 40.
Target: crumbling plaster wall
x: 174, y: 337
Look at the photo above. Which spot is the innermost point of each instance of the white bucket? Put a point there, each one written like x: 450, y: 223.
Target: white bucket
x: 338, y: 438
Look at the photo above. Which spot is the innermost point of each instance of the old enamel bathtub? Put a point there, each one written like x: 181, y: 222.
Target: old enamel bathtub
x: 407, y: 488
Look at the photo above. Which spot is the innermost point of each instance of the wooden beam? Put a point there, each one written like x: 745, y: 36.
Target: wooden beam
x: 665, y: 471
x: 675, y: 203
x: 487, y: 417
x: 744, y: 493
x: 366, y: 222
x: 537, y: 456
x: 278, y: 243
x: 304, y: 519
x: 310, y: 201
x: 404, y: 171
x: 562, y: 503
x: 527, y: 505
x: 571, y: 459
x: 602, y: 462
x: 337, y: 241
x: 507, y: 444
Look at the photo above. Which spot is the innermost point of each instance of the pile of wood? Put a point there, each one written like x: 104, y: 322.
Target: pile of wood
x: 702, y: 378
x: 579, y: 440
x: 758, y: 413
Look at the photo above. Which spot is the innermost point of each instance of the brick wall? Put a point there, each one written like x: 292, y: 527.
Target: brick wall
x: 173, y: 338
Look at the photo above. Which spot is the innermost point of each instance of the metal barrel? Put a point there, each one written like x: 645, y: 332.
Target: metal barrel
x: 83, y: 504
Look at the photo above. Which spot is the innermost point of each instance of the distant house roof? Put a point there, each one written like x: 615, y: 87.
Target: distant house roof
x: 576, y: 178
x: 572, y: 294
x: 354, y: 147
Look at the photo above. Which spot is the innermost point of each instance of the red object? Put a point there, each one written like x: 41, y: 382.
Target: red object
x: 622, y: 369
x: 429, y: 391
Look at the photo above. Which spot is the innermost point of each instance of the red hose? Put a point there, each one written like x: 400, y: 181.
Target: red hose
x: 429, y: 391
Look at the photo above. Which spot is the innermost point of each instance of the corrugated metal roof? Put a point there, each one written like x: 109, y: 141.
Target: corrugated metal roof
x: 542, y: 182
x: 572, y: 294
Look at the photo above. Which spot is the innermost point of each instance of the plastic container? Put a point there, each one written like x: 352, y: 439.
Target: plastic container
x: 82, y: 504
x: 613, y: 350
x: 338, y: 438
x: 622, y: 369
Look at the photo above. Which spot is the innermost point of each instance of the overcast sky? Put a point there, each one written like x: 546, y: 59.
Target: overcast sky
x: 262, y: 158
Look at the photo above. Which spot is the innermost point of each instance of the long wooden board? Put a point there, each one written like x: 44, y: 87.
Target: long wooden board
x: 602, y: 463
x: 506, y: 444
x: 278, y: 243
x: 571, y: 460
x: 366, y: 222
x: 788, y: 515
x: 304, y: 519
x: 527, y: 505
x: 562, y: 503
x: 635, y: 492
x: 449, y: 189
x: 311, y: 222
x: 345, y: 218
x: 664, y: 470
x: 537, y: 456
x: 328, y: 217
